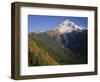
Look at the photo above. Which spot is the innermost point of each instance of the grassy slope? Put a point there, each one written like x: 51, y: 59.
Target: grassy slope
x: 39, y: 56
x: 47, y: 45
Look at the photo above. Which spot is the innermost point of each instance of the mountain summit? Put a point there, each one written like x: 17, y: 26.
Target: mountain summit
x: 68, y: 26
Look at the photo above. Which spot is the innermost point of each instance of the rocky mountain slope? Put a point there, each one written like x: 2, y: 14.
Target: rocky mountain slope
x: 65, y: 44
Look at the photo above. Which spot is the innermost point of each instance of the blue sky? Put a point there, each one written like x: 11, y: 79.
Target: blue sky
x: 38, y: 22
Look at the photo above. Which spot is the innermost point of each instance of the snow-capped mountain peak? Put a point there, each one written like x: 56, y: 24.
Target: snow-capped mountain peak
x: 41, y: 30
x: 68, y: 26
